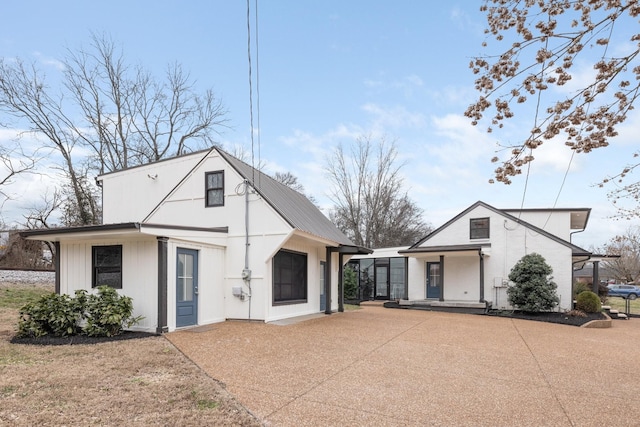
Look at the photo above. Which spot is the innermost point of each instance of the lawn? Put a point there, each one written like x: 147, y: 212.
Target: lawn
x: 618, y: 303
x: 144, y: 381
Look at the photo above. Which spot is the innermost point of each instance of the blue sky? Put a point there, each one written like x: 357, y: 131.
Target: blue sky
x: 330, y: 71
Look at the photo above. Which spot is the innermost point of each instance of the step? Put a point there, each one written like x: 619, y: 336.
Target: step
x: 623, y: 316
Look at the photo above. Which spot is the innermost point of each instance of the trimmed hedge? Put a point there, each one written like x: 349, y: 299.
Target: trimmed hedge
x: 588, y: 302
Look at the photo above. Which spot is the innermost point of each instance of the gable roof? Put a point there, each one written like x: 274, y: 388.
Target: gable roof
x: 575, y: 250
x: 292, y: 206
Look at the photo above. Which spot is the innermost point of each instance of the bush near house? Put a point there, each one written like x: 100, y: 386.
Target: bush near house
x: 350, y: 278
x: 579, y: 287
x: 533, y: 289
x: 588, y: 302
x: 103, y: 315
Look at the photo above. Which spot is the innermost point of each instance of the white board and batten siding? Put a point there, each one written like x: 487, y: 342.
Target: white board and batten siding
x: 139, y: 273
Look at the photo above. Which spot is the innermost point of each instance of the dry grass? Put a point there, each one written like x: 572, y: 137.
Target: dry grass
x: 618, y: 303
x: 139, y: 382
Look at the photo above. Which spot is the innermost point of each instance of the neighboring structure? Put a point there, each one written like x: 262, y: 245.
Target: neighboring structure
x: 466, y: 262
x: 203, y: 238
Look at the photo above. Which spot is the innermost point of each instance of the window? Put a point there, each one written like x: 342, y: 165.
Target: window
x: 214, y: 184
x: 106, y: 263
x: 289, y: 278
x: 479, y: 228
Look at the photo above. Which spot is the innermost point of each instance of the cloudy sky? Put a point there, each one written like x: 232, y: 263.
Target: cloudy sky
x: 328, y: 72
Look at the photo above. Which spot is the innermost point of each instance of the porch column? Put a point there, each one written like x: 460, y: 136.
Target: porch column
x: 596, y: 277
x: 340, y: 283
x: 441, y: 277
x: 56, y: 266
x: 481, y: 275
x: 163, y: 254
x: 327, y: 282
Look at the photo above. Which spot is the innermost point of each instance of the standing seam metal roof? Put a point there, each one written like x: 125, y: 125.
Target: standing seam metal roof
x: 294, y: 207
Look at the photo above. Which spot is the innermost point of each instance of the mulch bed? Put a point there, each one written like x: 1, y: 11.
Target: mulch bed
x: 80, y: 339
x: 552, y: 317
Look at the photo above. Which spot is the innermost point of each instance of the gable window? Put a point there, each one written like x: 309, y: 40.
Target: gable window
x: 479, y: 228
x: 289, y: 278
x: 106, y: 265
x: 214, y: 184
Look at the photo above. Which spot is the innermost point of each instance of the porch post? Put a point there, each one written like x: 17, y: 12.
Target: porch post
x: 340, y: 283
x: 56, y: 266
x: 481, y: 275
x: 163, y: 254
x: 441, y: 277
x: 596, y: 277
x: 327, y: 282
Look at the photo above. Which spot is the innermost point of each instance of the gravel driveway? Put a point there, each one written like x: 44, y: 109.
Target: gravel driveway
x: 28, y: 278
x: 377, y: 366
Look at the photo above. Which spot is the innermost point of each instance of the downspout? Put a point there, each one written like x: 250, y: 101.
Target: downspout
x: 573, y: 279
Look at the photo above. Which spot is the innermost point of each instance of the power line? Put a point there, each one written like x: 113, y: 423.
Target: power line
x: 250, y: 90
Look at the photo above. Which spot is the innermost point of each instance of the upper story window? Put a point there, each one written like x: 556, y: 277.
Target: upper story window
x: 214, y: 188
x: 479, y: 228
x: 106, y: 264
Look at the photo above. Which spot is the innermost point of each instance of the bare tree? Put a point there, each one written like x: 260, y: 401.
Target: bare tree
x: 549, y: 40
x: 128, y: 118
x: 24, y: 96
x: 134, y: 118
x: 13, y: 162
x: 627, y: 267
x: 370, y: 206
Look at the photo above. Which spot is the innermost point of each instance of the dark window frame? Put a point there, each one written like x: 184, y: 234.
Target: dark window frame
x: 300, y: 295
x: 97, y: 270
x: 207, y: 189
x: 479, y: 232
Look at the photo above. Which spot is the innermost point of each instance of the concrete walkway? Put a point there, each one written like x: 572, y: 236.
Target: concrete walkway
x: 377, y: 366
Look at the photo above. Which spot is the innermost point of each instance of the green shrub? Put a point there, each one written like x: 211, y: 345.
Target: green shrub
x: 588, y: 302
x: 350, y: 278
x: 104, y: 314
x: 533, y: 289
x: 108, y: 313
x: 53, y: 314
x: 579, y: 287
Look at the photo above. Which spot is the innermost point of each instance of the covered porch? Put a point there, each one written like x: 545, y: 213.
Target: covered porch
x: 447, y: 278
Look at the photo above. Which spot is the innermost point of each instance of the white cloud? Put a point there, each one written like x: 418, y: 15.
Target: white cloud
x: 396, y: 117
x: 49, y: 61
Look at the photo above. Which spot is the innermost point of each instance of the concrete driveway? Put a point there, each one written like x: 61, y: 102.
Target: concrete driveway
x: 377, y: 366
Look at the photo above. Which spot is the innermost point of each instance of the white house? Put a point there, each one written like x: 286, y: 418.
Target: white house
x: 466, y: 262
x: 203, y: 238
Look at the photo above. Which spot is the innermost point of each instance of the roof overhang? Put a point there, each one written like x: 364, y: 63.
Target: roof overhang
x: 122, y: 230
x: 578, y: 217
x: 459, y: 250
x: 353, y: 250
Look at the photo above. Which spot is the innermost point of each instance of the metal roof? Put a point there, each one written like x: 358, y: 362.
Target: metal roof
x: 294, y: 207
